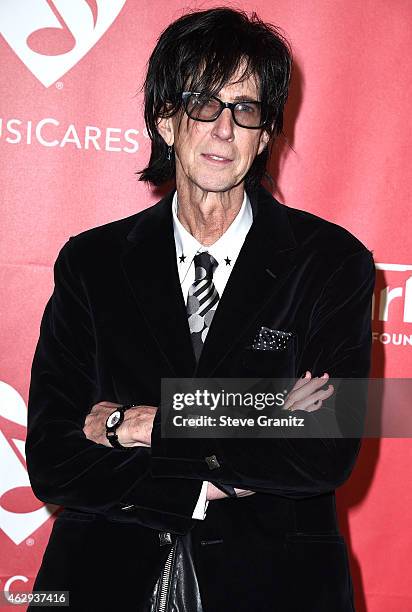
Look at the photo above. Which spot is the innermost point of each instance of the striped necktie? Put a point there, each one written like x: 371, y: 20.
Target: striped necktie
x: 202, y: 300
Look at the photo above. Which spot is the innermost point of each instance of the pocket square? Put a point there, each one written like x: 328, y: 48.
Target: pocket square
x: 271, y: 339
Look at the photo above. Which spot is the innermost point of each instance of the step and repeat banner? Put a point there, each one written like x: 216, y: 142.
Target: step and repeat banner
x: 72, y: 136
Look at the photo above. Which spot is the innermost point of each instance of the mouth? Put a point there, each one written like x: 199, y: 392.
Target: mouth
x: 216, y: 159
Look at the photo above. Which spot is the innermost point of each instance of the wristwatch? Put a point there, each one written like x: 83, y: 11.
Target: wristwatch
x: 112, y: 423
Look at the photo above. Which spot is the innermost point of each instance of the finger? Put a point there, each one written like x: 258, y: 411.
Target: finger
x: 301, y: 381
x: 307, y: 400
x: 316, y: 405
x: 309, y: 403
x: 306, y: 390
x: 305, y: 386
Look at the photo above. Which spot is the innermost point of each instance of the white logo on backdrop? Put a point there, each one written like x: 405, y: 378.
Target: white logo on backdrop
x: 388, y: 294
x: 52, y: 36
x: 16, y: 525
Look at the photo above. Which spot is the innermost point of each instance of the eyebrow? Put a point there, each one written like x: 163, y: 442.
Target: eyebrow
x: 245, y: 97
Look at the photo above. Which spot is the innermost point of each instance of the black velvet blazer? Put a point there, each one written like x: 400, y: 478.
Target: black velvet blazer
x: 114, y: 326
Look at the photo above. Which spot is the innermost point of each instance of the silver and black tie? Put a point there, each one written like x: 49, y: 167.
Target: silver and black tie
x: 202, y: 300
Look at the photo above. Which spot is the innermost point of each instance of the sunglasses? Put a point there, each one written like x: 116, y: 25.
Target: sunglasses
x: 200, y: 107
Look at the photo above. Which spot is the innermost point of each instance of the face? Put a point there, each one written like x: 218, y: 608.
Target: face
x: 195, y: 141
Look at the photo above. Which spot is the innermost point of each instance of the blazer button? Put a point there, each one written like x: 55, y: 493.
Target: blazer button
x: 212, y: 462
x: 165, y: 538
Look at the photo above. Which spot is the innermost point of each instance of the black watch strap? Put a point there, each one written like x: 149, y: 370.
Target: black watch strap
x: 111, y: 434
x: 113, y: 439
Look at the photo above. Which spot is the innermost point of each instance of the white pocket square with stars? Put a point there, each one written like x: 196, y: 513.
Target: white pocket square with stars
x: 271, y: 339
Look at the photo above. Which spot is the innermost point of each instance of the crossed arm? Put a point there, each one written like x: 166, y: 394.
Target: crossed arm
x: 67, y: 468
x: 136, y: 429
x: 338, y: 341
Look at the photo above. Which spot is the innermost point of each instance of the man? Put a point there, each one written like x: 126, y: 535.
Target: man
x: 191, y: 287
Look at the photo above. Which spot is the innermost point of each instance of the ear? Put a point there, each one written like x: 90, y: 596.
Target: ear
x: 264, y: 139
x: 165, y: 127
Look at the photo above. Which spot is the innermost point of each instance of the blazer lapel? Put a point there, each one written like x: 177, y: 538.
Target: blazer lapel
x: 149, y: 263
x: 264, y: 262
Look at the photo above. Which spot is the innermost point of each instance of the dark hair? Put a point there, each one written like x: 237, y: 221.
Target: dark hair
x: 201, y: 51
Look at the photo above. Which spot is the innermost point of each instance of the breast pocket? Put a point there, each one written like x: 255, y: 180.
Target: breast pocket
x: 276, y: 363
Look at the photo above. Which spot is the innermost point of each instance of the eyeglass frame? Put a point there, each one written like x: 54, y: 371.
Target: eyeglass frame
x: 223, y: 105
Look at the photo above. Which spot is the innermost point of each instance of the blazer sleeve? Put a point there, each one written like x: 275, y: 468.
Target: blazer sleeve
x: 64, y: 467
x: 339, y: 342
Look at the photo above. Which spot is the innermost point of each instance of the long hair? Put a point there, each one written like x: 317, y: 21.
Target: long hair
x: 201, y: 51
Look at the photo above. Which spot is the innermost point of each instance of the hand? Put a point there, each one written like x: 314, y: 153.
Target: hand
x: 304, y: 395
x: 136, y: 429
x: 213, y: 493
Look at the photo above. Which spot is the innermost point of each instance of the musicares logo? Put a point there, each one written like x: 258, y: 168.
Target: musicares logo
x: 15, y: 491
x: 52, y: 36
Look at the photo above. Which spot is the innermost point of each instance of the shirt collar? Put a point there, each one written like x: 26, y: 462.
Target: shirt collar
x: 228, y: 245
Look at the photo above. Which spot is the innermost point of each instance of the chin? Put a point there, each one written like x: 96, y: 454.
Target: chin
x: 209, y: 184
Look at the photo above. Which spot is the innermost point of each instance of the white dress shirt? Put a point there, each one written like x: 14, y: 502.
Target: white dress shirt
x: 225, y: 250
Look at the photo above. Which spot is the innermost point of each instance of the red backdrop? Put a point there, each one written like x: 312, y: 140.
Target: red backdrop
x: 72, y: 135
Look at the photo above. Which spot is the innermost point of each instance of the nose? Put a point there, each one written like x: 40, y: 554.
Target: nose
x: 223, y: 126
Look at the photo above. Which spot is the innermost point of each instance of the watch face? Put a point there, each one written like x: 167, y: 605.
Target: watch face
x: 113, y: 419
